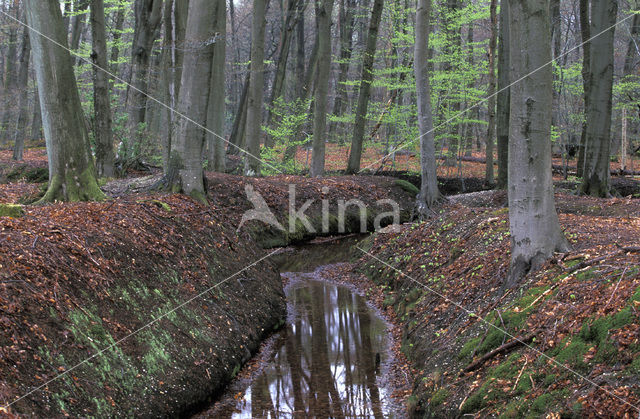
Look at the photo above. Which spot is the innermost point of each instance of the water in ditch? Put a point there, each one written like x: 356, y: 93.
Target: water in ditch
x: 329, y: 360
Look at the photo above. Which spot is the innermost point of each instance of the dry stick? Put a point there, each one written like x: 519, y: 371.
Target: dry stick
x: 616, y: 288
x: 593, y: 261
x: 520, y: 375
x: 500, y: 349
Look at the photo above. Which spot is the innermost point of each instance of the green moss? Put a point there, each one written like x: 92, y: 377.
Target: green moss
x: 467, y: 348
x: 71, y: 188
x: 11, y: 210
x: 439, y: 397
x: 540, y: 405
x: 407, y: 186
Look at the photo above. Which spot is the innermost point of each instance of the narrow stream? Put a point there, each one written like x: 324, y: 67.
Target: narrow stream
x: 330, y: 358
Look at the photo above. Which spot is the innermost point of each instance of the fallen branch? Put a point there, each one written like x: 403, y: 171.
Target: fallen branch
x: 499, y: 350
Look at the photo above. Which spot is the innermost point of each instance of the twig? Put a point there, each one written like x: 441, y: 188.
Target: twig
x: 615, y: 289
x: 520, y: 375
x: 500, y: 349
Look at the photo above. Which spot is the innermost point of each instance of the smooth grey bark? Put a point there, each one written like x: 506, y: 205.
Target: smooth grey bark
x: 556, y: 42
x: 355, y: 153
x: 105, y: 155
x: 346, y: 20
x: 77, y: 23
x: 116, y: 34
x: 535, y: 229
x: 256, y: 87
x: 71, y: 169
x: 36, y: 120
x: 503, y: 97
x: 168, y: 82
x: 23, y: 101
x: 185, y: 172
x: 283, y: 56
x: 10, y: 73
x: 596, y: 173
x: 216, y: 108
x: 236, y: 139
x: 585, y: 33
x: 429, y: 193
x: 491, y: 127
x: 324, y: 10
x: 148, y: 15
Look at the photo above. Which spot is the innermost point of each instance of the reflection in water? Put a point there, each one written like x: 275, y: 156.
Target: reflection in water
x: 329, y: 360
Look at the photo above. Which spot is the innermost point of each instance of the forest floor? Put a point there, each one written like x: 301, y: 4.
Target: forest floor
x: 579, y: 315
x: 125, y: 256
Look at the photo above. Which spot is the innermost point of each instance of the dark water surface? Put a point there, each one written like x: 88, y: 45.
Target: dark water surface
x: 328, y: 361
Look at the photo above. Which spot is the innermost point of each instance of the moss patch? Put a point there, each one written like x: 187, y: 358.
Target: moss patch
x: 11, y: 210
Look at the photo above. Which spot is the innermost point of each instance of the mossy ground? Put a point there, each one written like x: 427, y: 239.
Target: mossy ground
x: 584, y: 321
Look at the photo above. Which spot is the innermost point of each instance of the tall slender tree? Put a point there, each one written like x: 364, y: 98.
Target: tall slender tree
x: 503, y: 97
x: 324, y: 10
x: 23, y: 101
x: 534, y: 225
x: 355, y: 155
x: 216, y: 108
x: 429, y: 193
x: 256, y: 89
x: 185, y: 172
x: 101, y: 98
x: 491, y: 128
x: 71, y: 168
x: 595, y: 173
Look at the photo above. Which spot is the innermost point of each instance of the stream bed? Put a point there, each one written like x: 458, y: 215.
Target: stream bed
x: 331, y: 357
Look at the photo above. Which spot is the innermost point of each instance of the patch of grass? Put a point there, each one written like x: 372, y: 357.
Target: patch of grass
x: 439, y: 397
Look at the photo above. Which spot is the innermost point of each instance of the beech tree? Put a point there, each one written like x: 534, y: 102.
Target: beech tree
x: 101, y: 101
x: 324, y: 9
x: 503, y: 96
x: 429, y: 193
x: 256, y: 87
x: 22, y: 84
x: 365, y: 88
x: 215, y: 111
x: 71, y: 169
x: 535, y: 229
x: 185, y: 172
x: 597, y: 145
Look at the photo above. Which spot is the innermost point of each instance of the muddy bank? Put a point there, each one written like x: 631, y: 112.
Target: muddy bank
x: 82, y: 281
x: 578, y: 313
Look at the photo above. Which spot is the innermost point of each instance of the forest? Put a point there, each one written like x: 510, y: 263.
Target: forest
x: 329, y: 208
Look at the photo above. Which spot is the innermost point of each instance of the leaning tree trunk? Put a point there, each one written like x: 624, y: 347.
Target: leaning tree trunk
x: 534, y: 225
x: 101, y: 98
x: 503, y: 97
x: 216, y: 109
x: 365, y: 89
x: 23, y: 101
x: 148, y: 15
x: 71, y: 169
x: 323, y: 16
x: 77, y: 23
x: 429, y: 193
x: 596, y: 173
x: 256, y: 86
x: 185, y: 173
x: 491, y: 128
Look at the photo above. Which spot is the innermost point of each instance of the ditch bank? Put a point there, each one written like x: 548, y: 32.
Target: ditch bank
x: 147, y: 304
x: 578, y: 316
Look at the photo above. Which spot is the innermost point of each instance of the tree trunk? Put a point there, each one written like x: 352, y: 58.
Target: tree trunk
x: 22, y: 86
x: 556, y: 42
x: 77, y: 23
x: 185, y: 172
x: 101, y: 97
x: 148, y: 15
x: 596, y: 174
x: 36, y: 121
x: 429, y: 193
x: 236, y: 139
x: 10, y: 74
x: 585, y: 32
x: 116, y: 34
x: 256, y: 87
x: 346, y: 48
x: 324, y: 10
x: 491, y: 128
x: 216, y: 109
x: 365, y: 89
x: 503, y: 97
x: 71, y: 169
x: 535, y: 230
x: 283, y: 56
